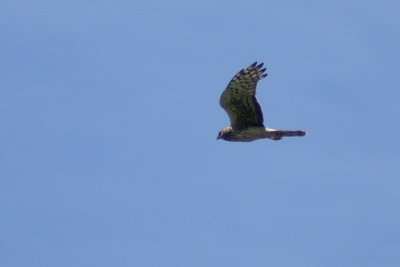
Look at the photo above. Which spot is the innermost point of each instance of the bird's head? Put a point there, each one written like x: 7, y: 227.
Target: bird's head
x: 224, y: 133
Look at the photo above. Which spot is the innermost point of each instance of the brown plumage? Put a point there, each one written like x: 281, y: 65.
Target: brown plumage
x: 240, y: 102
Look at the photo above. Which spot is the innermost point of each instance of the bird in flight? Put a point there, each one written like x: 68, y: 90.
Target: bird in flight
x: 240, y: 102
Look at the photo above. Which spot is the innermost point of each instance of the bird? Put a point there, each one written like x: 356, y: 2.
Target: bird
x: 240, y: 102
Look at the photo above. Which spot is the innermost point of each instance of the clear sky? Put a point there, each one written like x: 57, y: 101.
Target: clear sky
x: 109, y: 118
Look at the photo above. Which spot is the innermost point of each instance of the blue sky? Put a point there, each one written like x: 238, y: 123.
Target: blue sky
x: 109, y: 114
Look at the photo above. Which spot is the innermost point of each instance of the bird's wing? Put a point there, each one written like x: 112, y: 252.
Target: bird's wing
x: 239, y: 98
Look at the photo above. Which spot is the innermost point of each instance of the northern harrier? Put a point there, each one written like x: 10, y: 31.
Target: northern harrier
x: 240, y: 102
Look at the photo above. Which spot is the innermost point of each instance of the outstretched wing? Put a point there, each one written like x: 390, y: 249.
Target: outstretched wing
x: 239, y: 98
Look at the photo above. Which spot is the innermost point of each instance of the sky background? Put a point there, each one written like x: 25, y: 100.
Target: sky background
x: 109, y: 113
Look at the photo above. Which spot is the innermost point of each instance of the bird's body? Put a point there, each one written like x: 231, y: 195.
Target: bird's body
x: 240, y: 102
x: 254, y: 133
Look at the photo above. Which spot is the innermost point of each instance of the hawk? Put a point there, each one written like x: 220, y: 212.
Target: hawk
x: 240, y: 102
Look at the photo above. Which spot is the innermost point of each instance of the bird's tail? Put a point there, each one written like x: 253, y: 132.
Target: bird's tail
x: 292, y: 133
x: 278, y: 134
